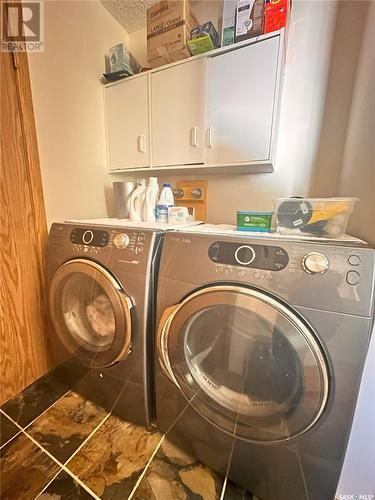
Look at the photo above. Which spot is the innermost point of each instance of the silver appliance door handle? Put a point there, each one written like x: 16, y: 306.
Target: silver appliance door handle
x: 162, y: 341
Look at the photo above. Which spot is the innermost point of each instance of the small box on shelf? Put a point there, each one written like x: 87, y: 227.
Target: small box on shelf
x: 254, y: 221
x: 229, y: 22
x: 275, y: 14
x: 203, y: 38
x: 249, y: 19
x: 119, y: 59
x: 120, y: 64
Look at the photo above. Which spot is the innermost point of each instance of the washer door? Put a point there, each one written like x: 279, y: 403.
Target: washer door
x: 91, y: 313
x: 245, y: 361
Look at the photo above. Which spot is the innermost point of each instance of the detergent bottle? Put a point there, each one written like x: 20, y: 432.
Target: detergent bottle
x: 137, y: 200
x: 151, y: 197
x: 165, y: 201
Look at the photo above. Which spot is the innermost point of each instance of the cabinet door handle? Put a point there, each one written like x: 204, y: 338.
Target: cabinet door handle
x: 194, y: 136
x: 210, y: 132
x: 141, y: 143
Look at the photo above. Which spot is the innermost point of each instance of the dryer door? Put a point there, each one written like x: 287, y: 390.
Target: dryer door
x: 91, y: 313
x: 245, y: 361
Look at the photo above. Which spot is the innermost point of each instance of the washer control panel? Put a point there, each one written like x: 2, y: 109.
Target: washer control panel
x: 265, y: 257
x: 90, y: 237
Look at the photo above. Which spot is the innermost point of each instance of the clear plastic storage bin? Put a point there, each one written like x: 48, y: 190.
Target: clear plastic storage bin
x: 324, y: 217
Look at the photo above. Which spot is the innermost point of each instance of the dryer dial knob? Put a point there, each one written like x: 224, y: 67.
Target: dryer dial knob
x: 315, y: 263
x: 121, y: 240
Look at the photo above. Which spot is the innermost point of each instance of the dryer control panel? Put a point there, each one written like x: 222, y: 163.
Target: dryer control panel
x: 267, y: 257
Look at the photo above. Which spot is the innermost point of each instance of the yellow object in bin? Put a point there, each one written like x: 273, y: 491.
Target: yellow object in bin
x: 329, y: 211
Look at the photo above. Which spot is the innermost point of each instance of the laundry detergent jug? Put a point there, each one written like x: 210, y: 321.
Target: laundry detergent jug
x: 151, y: 197
x: 137, y: 200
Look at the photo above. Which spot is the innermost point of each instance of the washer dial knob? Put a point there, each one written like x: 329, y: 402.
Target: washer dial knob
x: 121, y: 240
x: 244, y: 255
x: 315, y: 263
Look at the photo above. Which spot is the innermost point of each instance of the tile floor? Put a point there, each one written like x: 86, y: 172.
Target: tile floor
x: 55, y: 444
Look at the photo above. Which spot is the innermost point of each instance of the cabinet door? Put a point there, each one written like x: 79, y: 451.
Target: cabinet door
x: 241, y: 87
x: 177, y: 114
x: 128, y: 137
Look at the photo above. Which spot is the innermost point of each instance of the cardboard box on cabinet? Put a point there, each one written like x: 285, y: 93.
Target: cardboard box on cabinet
x: 229, y: 22
x: 249, y: 19
x: 169, y: 23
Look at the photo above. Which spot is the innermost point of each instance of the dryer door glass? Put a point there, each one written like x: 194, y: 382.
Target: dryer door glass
x: 91, y: 313
x: 246, y: 362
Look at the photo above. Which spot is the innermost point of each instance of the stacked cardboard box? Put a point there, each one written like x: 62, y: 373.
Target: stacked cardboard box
x: 229, y: 22
x: 169, y: 23
x: 249, y: 19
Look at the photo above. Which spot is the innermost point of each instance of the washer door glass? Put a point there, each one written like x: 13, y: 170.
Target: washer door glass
x: 91, y: 313
x: 246, y: 362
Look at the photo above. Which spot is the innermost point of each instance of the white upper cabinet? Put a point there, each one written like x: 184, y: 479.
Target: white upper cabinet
x: 127, y: 122
x: 216, y: 110
x: 240, y: 103
x: 177, y: 114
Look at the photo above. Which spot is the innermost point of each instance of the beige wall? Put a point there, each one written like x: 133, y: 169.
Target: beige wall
x: 358, y: 166
x: 345, y: 165
x: 138, y: 47
x: 68, y: 104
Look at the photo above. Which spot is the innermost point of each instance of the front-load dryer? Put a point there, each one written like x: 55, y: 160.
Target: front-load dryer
x: 260, y: 350
x: 101, y: 285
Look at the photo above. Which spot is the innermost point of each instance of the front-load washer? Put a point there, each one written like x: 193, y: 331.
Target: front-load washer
x: 260, y: 350
x: 101, y: 284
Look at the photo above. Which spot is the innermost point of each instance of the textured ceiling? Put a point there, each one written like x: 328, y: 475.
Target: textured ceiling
x: 131, y: 14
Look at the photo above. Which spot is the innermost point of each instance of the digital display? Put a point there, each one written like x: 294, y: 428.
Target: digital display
x: 265, y: 257
x: 90, y: 237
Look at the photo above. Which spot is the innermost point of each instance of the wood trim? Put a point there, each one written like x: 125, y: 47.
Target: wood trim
x: 23, y: 233
x: 31, y: 145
